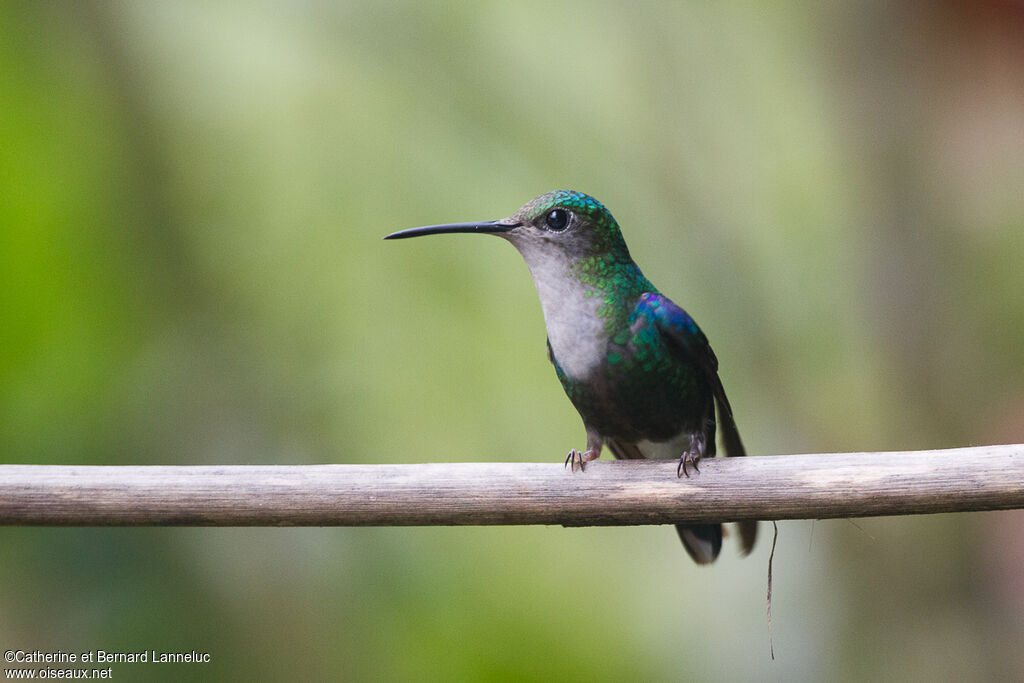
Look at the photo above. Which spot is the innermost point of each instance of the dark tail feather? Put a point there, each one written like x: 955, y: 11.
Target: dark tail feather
x: 734, y: 448
x: 730, y: 434
x: 702, y: 541
x: 748, y: 534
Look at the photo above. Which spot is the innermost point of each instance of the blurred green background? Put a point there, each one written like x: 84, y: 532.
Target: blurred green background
x: 192, y: 197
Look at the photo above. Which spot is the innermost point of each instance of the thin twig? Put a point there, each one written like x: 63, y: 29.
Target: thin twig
x: 771, y: 558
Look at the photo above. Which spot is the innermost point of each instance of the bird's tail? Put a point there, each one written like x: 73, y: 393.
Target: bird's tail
x: 702, y: 542
x: 733, y: 448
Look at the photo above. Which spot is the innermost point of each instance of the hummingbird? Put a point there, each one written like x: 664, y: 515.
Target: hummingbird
x: 635, y: 365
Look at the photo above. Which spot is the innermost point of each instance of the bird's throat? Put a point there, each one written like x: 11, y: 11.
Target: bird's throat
x: 572, y: 315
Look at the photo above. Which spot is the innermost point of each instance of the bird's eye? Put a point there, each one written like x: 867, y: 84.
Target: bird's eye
x: 557, y: 219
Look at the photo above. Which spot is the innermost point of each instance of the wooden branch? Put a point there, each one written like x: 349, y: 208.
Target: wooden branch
x: 608, y: 493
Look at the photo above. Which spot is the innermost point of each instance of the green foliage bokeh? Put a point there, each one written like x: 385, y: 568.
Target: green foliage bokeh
x: 192, y: 198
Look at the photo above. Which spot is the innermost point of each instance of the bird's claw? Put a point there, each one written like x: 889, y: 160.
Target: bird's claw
x: 693, y: 459
x: 573, y: 458
x: 576, y: 458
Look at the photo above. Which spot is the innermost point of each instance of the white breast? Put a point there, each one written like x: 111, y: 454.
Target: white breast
x: 576, y: 333
x: 665, y: 450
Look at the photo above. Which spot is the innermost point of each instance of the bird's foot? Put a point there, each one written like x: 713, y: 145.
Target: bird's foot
x: 692, y: 456
x: 576, y: 458
x: 687, y: 457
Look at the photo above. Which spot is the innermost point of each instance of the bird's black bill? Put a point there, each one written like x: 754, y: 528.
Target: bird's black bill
x: 486, y: 227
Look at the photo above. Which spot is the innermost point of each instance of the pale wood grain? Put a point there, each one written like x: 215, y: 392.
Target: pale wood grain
x: 608, y: 493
